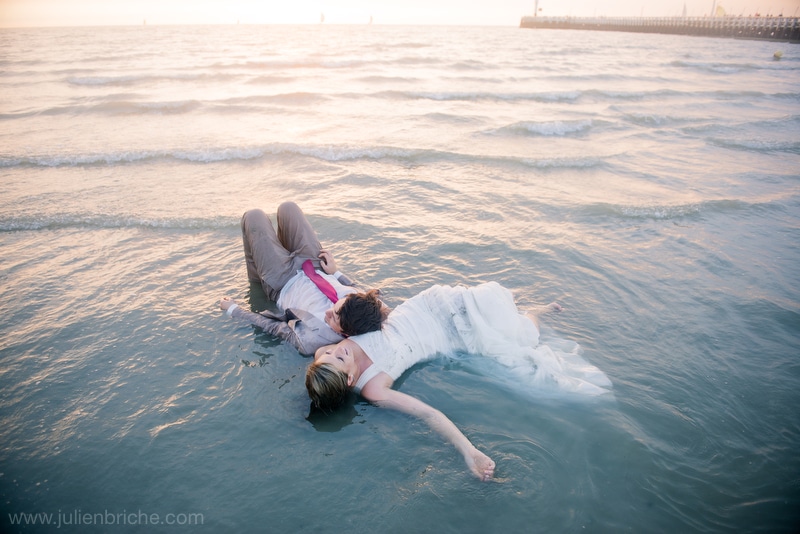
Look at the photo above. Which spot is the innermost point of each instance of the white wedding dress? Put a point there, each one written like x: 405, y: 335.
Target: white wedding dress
x: 481, y: 320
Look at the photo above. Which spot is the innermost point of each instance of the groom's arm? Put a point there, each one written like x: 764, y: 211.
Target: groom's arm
x: 299, y: 328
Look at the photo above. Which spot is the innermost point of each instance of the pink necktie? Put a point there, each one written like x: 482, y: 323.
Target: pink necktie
x: 322, y: 284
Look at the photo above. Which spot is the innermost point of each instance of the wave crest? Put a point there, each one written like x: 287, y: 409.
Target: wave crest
x: 671, y: 212
x: 546, y: 129
x: 101, y: 221
x: 329, y: 153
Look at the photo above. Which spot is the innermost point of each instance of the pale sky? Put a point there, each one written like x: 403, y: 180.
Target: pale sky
x: 22, y: 13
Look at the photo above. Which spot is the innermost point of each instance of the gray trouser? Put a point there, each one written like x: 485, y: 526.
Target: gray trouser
x: 274, y: 257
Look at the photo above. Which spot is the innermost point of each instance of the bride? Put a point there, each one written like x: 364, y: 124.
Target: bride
x: 443, y: 320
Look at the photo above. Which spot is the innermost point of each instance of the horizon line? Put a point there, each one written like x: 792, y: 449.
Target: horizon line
x: 129, y: 25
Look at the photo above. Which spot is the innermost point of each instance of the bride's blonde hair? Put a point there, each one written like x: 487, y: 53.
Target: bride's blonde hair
x: 326, y: 385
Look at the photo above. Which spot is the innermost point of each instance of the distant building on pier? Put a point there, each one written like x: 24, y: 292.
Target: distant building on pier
x: 761, y: 28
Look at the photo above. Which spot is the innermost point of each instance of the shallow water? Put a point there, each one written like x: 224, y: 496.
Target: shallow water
x: 648, y: 183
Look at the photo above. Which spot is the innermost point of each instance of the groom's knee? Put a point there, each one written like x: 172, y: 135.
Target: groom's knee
x: 289, y: 210
x: 252, y: 218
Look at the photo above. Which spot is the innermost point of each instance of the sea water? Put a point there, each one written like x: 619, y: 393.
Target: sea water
x: 650, y: 184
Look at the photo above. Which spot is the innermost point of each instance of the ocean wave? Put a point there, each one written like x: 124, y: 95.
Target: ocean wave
x: 329, y: 153
x: 408, y: 44
x: 410, y: 61
x: 287, y: 64
x: 112, y: 107
x: 559, y: 96
x: 546, y: 128
x: 578, y: 162
x: 670, y: 212
x: 130, y: 103
x: 786, y: 96
x: 375, y: 78
x: 631, y: 96
x: 292, y: 99
x: 211, y: 155
x: 471, y: 65
x: 664, y: 94
x: 732, y: 67
x: 106, y: 80
x: 126, y: 106
x: 764, y: 136
x: 132, y: 156
x: 758, y: 145
x: 654, y: 119
x: 715, y: 67
x: 544, y: 96
x: 451, y: 118
x: 789, y: 121
x: 323, y: 62
x: 145, y: 79
x: 270, y: 79
x: 161, y: 108
x: 103, y: 221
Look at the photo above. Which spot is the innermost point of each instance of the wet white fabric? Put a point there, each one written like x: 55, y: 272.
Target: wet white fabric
x: 480, y: 320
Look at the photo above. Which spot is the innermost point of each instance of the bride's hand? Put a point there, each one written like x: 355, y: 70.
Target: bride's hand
x: 481, y: 465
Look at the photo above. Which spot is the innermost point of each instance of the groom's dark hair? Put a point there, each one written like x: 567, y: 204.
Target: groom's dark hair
x: 361, y: 313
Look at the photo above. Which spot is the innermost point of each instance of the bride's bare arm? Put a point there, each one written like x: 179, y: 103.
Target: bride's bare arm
x: 379, y: 392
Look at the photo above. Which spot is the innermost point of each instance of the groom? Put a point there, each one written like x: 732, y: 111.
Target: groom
x: 320, y: 304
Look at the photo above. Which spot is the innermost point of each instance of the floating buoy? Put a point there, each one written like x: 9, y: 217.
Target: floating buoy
x: 777, y: 55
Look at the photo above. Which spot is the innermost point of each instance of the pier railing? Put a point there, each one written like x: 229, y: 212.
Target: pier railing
x: 761, y: 28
